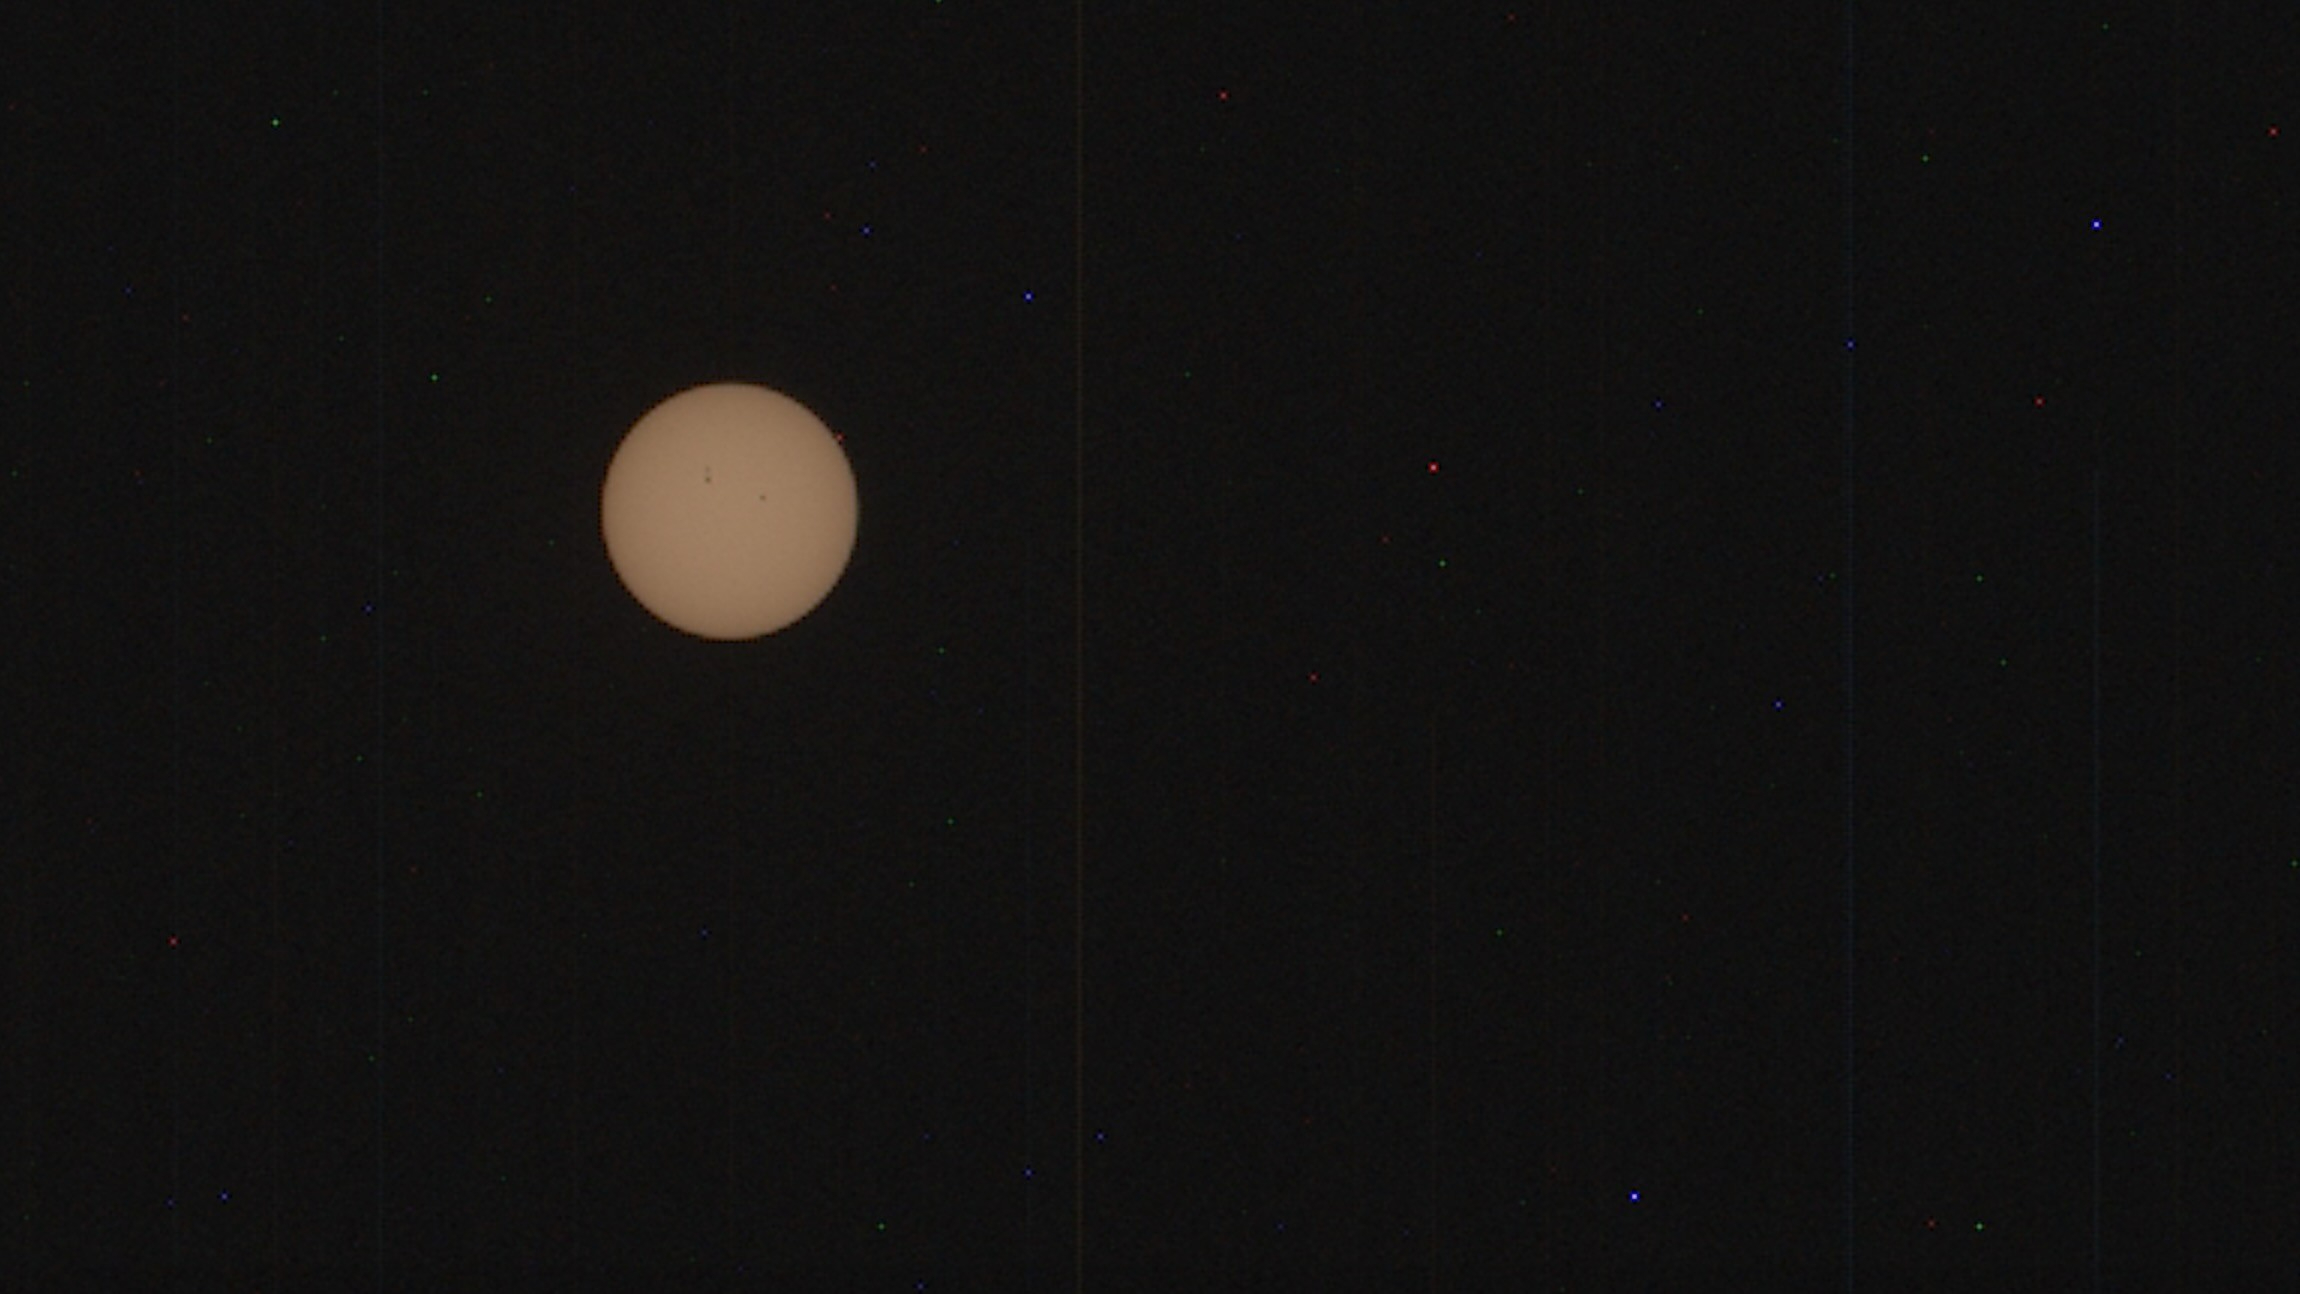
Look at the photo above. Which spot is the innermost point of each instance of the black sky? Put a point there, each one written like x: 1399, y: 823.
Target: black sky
x: 1504, y: 644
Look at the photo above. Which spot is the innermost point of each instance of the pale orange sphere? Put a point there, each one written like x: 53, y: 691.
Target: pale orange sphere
x: 729, y: 511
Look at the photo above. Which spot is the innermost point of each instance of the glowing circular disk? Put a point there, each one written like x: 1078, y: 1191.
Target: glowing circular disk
x: 729, y: 511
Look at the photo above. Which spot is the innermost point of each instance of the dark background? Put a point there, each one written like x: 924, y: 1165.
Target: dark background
x: 1408, y: 712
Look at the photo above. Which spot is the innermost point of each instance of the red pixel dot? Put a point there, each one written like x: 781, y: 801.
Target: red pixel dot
x: 171, y: 941
x: 1433, y: 467
x: 2038, y: 402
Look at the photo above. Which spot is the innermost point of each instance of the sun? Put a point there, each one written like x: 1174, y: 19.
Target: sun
x: 730, y: 511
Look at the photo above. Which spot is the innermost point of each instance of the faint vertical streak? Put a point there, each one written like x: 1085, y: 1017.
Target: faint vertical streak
x: 1437, y: 621
x: 176, y: 619
x: 729, y: 976
x: 1601, y: 1088
x: 278, y: 950
x: 577, y: 905
x: 276, y: 816
x: 2098, y: 840
x: 1078, y: 638
x: 1553, y: 561
x: 2097, y: 1274
x: 1851, y: 910
x: 2099, y: 465
x: 1433, y: 989
x: 1029, y: 895
x: 2179, y: 788
x: 727, y: 274
x: 380, y: 614
x: 726, y: 919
